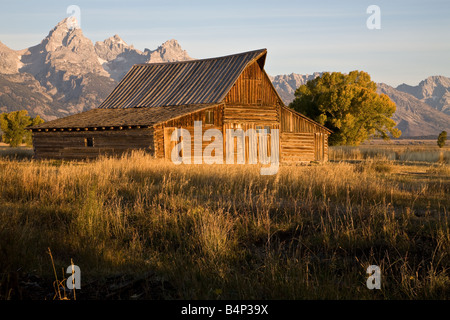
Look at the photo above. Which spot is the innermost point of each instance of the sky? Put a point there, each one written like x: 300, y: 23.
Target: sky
x: 412, y: 43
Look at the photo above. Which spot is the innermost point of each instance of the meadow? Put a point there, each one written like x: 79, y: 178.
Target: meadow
x: 141, y: 228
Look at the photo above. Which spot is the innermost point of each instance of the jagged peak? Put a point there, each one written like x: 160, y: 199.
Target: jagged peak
x: 427, y: 81
x: 64, y: 34
x: 114, y: 42
x: 170, y: 43
x: 116, y: 39
x: 68, y: 24
x: 435, y: 79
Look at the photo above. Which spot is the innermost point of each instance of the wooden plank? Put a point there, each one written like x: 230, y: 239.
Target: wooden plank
x: 252, y: 87
x: 72, y: 144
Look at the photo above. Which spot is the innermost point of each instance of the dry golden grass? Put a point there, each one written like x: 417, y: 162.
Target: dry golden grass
x: 393, y: 152
x: 227, y: 232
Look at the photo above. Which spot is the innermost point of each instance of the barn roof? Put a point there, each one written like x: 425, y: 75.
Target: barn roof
x: 189, y: 82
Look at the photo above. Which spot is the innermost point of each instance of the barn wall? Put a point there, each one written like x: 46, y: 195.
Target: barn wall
x: 72, y: 145
x: 252, y: 103
x: 226, y: 117
x: 292, y: 122
x: 253, y: 87
x: 297, y: 147
x: 170, y: 145
x: 186, y: 122
x: 251, y: 114
x: 251, y: 150
x: 301, y: 140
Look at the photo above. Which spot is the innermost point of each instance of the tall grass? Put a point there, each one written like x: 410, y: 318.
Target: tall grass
x: 226, y: 232
x: 391, y: 153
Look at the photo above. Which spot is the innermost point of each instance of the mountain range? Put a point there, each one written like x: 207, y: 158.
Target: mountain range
x: 67, y: 73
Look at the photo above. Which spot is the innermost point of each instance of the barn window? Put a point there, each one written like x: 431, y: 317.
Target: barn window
x: 267, y: 129
x: 209, y: 117
x: 89, y: 142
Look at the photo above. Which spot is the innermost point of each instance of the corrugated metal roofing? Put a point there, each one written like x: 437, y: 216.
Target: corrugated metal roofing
x: 191, y: 82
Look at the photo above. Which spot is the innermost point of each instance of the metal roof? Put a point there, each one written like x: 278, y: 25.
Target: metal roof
x: 191, y: 82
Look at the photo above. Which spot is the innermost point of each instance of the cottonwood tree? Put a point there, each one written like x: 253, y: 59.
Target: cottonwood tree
x: 14, y: 126
x: 349, y: 105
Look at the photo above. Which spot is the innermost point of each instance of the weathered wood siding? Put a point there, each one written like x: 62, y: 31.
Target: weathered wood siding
x: 196, y: 151
x: 301, y: 140
x: 188, y: 120
x: 253, y: 87
x: 73, y: 144
x: 292, y: 122
x: 253, y: 147
x: 251, y: 114
x: 296, y: 147
x: 252, y: 103
x: 185, y: 122
x: 320, y: 147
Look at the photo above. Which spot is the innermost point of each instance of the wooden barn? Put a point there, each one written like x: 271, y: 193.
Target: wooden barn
x: 153, y: 100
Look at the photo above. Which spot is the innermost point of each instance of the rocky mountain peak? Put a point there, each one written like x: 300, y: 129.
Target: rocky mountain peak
x: 118, y: 40
x: 169, y: 51
x: 69, y: 22
x: 65, y: 34
x: 115, y: 41
x: 413, y: 116
x: 172, y: 43
x: 434, y: 90
x: 110, y: 48
x: 117, y: 57
x: 432, y: 84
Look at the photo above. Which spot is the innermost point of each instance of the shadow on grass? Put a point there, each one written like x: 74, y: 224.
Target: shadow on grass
x: 18, y: 153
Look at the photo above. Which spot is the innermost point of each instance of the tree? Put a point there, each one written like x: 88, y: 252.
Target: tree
x: 442, y: 138
x: 14, y: 126
x: 349, y: 105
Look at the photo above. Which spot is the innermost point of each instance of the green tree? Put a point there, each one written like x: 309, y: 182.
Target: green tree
x: 14, y: 126
x: 349, y: 105
x: 442, y: 138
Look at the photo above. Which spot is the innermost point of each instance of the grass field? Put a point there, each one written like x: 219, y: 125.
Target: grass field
x: 141, y: 228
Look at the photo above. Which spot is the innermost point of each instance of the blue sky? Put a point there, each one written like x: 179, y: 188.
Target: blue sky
x: 300, y: 36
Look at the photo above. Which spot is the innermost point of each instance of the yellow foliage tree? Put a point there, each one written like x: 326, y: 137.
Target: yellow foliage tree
x: 349, y: 105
